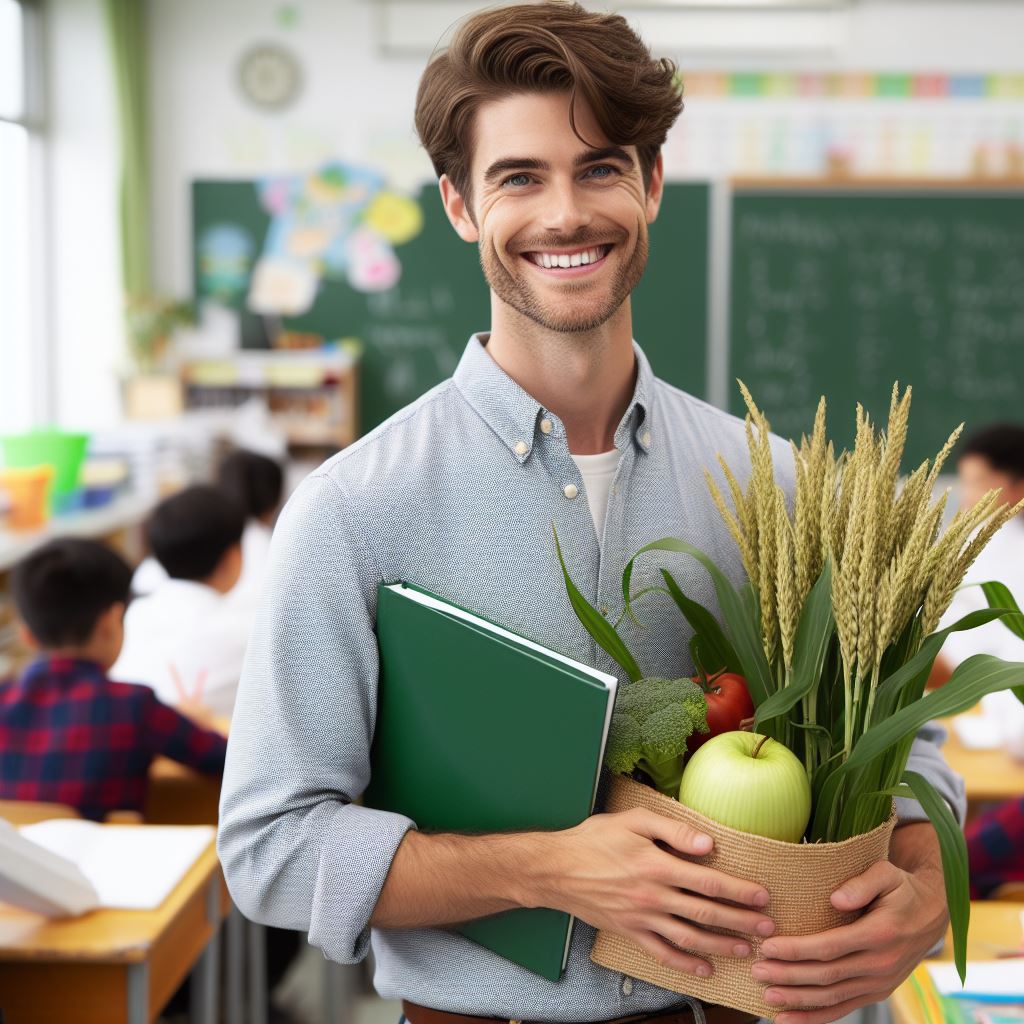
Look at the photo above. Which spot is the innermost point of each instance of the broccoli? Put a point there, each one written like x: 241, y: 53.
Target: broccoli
x: 652, y: 721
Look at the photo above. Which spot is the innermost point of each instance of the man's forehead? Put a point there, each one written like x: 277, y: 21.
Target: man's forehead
x: 534, y: 126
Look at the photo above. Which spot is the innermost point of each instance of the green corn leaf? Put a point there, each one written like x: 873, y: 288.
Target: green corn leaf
x: 596, y: 624
x: 715, y: 649
x: 920, y: 665
x: 813, y: 635
x: 999, y: 596
x: 736, y: 611
x: 953, y: 849
x: 975, y: 677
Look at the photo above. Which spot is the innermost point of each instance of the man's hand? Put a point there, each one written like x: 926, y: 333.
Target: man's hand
x: 848, y: 967
x: 622, y: 872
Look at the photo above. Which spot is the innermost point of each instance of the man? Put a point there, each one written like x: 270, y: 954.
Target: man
x: 544, y: 123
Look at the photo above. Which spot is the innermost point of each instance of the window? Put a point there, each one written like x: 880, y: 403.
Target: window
x: 20, y: 143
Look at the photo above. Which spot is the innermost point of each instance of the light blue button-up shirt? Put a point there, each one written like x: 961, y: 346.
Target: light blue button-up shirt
x: 457, y: 493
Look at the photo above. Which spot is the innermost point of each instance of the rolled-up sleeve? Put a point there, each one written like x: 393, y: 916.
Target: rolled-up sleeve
x: 297, y: 851
x: 926, y: 759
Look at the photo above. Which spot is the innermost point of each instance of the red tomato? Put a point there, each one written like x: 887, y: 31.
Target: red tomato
x: 729, y: 706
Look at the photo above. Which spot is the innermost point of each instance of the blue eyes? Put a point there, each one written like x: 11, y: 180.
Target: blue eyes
x: 600, y: 171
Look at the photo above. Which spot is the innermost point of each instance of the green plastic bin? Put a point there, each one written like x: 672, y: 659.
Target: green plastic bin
x: 63, y: 450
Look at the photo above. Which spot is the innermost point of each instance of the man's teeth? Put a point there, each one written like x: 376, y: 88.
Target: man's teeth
x: 577, y: 259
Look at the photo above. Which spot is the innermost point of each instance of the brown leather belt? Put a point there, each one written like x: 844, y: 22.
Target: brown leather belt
x: 417, y: 1014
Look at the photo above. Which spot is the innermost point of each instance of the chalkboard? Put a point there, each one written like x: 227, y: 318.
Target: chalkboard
x: 414, y: 334
x: 841, y: 293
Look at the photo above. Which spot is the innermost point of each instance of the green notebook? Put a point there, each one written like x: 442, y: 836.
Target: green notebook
x: 480, y: 730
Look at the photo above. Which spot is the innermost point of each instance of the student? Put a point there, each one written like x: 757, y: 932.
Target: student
x: 254, y: 482
x: 995, y: 848
x: 67, y: 733
x: 184, y: 638
x: 544, y: 122
x: 992, y: 458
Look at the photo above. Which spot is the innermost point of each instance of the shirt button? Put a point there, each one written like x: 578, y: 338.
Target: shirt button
x: 627, y: 986
x: 545, y: 426
x: 604, y: 610
x: 522, y: 447
x: 646, y: 438
x: 570, y: 491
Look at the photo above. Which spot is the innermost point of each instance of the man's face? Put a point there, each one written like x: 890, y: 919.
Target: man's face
x: 976, y: 475
x: 561, y: 225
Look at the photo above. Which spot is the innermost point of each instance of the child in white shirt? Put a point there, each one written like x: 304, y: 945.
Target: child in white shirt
x: 185, y: 638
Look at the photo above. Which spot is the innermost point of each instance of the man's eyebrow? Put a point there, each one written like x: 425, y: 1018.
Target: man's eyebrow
x: 593, y: 156
x: 512, y: 163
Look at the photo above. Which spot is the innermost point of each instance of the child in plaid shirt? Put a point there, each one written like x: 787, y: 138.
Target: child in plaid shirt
x: 68, y: 734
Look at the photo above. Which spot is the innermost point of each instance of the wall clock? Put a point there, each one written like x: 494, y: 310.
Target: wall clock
x: 270, y: 76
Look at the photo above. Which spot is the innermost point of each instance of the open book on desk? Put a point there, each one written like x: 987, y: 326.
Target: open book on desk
x: 480, y: 730
x: 67, y: 866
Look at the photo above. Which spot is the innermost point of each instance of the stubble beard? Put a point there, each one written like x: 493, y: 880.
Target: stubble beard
x: 515, y: 291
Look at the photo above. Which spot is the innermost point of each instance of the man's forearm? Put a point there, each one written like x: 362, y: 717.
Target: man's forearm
x: 443, y: 879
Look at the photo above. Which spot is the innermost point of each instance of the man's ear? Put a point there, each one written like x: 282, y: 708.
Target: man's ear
x: 26, y: 638
x: 458, y: 212
x: 656, y: 189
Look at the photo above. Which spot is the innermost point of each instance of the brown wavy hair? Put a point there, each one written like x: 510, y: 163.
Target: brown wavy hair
x: 546, y: 47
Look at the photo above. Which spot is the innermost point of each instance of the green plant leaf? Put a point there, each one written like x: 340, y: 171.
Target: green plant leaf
x: 714, y: 645
x: 973, y: 678
x: 810, y: 647
x: 920, y: 665
x: 736, y: 611
x: 953, y: 849
x: 595, y: 623
x: 998, y: 596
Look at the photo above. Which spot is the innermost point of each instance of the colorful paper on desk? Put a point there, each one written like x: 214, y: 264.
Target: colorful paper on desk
x: 131, y: 867
x: 987, y: 980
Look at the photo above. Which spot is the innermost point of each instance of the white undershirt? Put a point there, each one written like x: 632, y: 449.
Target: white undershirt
x: 598, y: 471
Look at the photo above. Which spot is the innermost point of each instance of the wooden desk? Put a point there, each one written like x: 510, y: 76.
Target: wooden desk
x: 180, y: 796
x: 989, y: 775
x: 994, y: 926
x: 115, y: 966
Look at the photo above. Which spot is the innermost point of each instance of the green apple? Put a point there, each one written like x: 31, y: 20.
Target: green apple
x: 750, y: 783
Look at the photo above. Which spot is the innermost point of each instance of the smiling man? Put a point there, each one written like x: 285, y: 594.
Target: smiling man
x: 544, y: 123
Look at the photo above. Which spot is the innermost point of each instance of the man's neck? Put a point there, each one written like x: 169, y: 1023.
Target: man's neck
x: 586, y: 379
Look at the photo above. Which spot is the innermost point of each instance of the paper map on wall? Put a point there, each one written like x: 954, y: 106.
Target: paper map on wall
x: 340, y: 222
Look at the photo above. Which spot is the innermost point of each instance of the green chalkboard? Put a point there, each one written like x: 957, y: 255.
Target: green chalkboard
x: 841, y: 293
x: 414, y: 334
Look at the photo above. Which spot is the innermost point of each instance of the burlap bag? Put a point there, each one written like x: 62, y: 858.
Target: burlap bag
x: 800, y: 877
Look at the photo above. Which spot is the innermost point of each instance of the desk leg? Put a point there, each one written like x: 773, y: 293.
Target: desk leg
x: 206, y: 972
x: 138, y: 994
x: 258, y: 995
x: 235, y: 953
x: 341, y: 990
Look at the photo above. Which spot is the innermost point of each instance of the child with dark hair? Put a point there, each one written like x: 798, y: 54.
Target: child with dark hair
x: 185, y: 639
x: 255, y: 482
x: 67, y: 733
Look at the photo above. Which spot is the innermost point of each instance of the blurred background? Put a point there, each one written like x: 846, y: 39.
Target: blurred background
x: 217, y: 229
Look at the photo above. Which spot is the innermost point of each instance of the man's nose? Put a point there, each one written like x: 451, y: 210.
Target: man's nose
x: 565, y: 210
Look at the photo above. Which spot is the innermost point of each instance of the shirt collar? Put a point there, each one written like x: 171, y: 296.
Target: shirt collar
x: 514, y: 415
x: 60, y: 668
